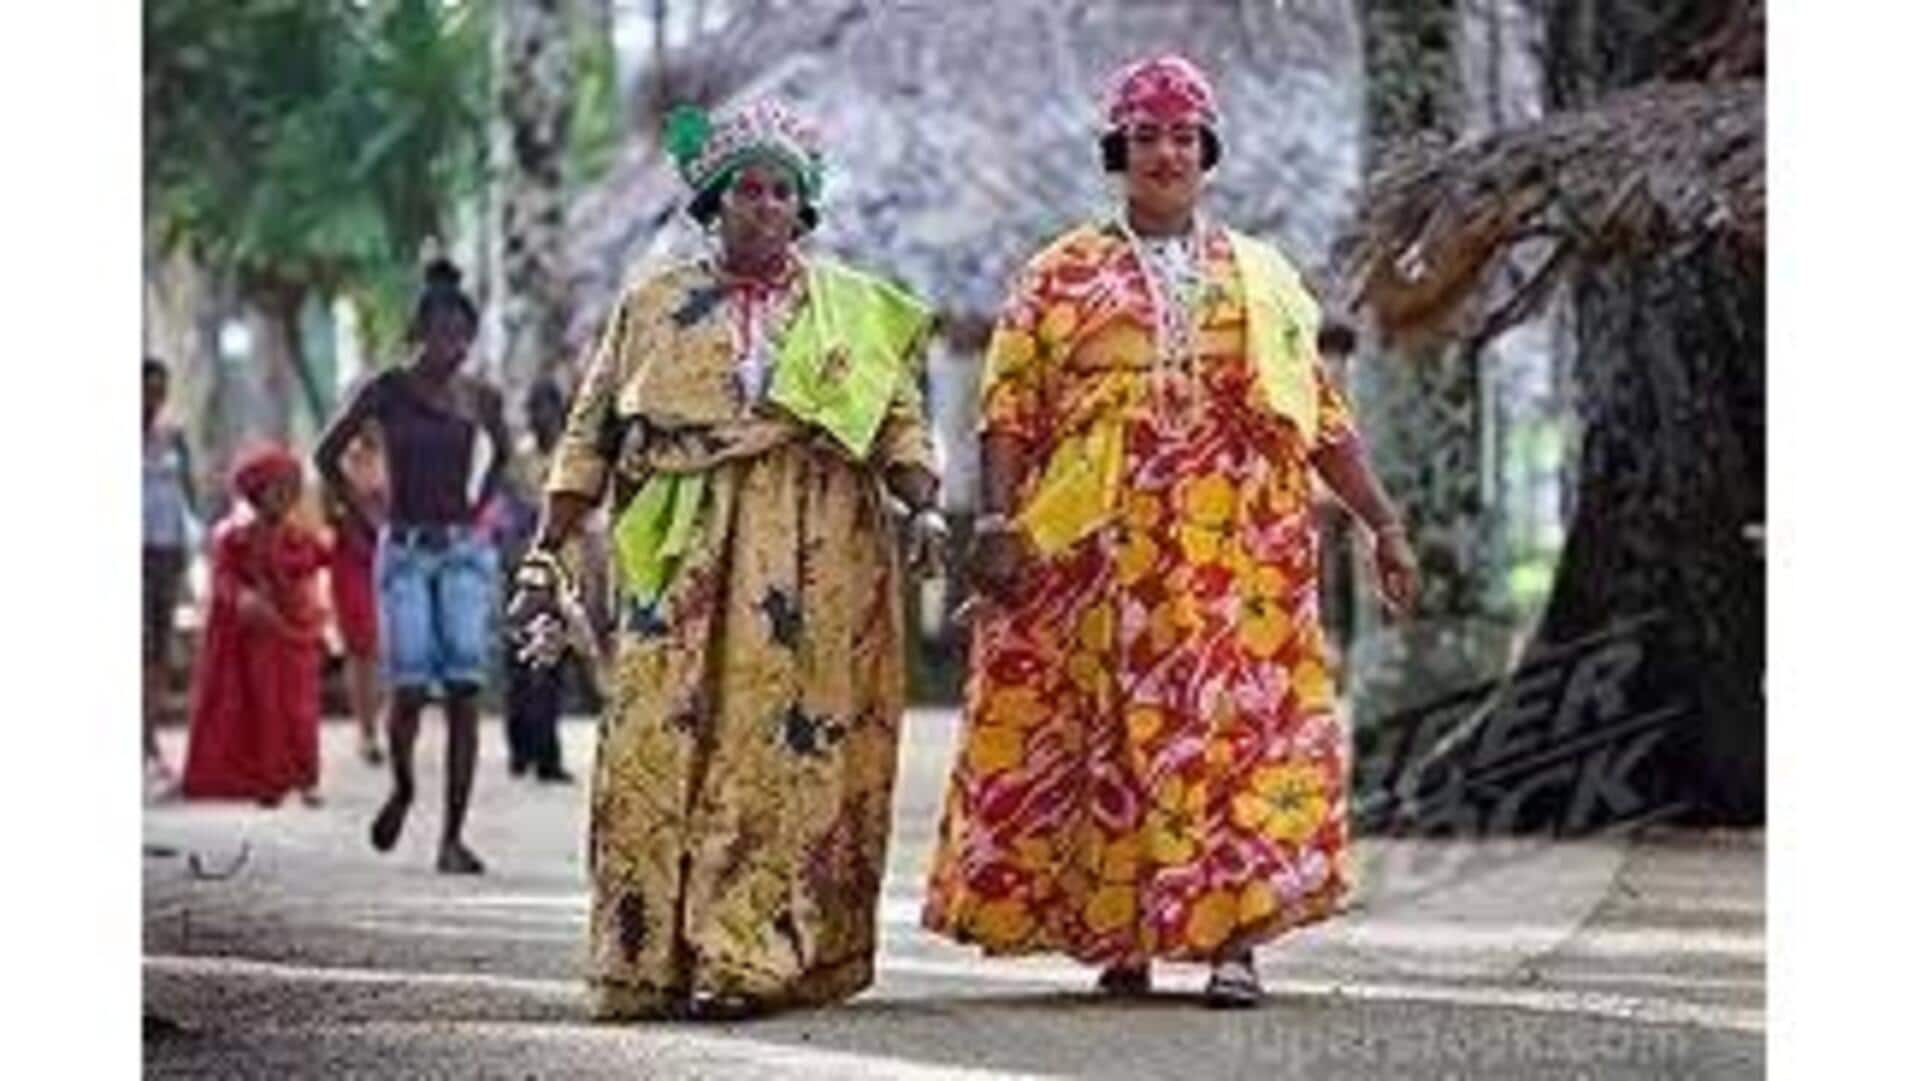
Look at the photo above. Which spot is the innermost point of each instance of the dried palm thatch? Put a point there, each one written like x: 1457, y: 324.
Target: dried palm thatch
x: 1465, y: 242
x: 962, y: 136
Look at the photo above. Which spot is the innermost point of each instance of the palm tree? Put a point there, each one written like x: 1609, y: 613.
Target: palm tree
x: 1647, y: 185
x: 532, y: 104
x: 302, y: 151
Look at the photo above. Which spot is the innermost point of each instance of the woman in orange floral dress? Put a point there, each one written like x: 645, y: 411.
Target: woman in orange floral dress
x: 1151, y: 766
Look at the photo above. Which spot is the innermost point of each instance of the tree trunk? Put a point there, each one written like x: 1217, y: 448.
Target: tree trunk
x: 533, y: 100
x: 1595, y: 47
x: 598, y: 17
x: 1671, y: 383
x: 1423, y: 417
x: 279, y: 344
x: 1639, y: 693
x: 181, y: 326
x: 662, y: 83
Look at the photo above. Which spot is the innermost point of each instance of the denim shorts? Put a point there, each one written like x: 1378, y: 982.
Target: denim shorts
x: 436, y: 605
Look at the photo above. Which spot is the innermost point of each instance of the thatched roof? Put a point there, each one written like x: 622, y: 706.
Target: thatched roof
x: 962, y: 136
x: 1465, y: 241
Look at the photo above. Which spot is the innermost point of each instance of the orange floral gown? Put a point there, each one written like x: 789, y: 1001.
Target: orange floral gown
x: 1150, y: 765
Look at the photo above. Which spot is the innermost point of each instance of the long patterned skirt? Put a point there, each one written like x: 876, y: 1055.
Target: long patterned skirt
x: 742, y: 792
x: 1150, y: 765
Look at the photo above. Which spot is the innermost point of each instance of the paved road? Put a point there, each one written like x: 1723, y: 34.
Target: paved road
x: 317, y: 958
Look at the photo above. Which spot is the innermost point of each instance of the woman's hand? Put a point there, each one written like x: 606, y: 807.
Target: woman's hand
x: 351, y: 509
x: 536, y: 620
x: 927, y: 541
x: 1000, y: 555
x: 1396, y: 573
x: 259, y: 612
x: 255, y: 609
x: 537, y: 628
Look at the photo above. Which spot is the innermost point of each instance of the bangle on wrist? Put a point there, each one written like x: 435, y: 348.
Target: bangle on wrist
x: 541, y: 569
x: 993, y: 523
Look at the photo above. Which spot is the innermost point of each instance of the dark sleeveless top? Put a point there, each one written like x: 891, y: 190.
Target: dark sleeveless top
x: 430, y: 456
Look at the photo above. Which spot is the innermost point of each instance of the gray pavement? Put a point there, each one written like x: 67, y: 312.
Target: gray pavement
x: 318, y: 958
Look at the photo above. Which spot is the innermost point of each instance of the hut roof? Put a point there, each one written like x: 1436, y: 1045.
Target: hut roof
x: 961, y: 137
x: 1467, y: 240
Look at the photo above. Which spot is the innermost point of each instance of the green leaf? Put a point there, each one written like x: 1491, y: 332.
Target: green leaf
x: 686, y: 133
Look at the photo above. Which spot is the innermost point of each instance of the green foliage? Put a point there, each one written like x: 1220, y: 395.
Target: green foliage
x: 311, y: 145
x: 1533, y: 459
x: 598, y: 119
x: 1410, y: 74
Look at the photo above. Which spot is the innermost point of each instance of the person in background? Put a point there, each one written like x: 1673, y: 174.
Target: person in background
x: 1336, y: 343
x: 166, y: 531
x: 535, y: 693
x: 350, y: 582
x: 434, y: 571
x: 255, y: 724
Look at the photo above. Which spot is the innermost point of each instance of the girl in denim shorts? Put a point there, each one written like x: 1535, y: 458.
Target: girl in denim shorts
x: 446, y: 444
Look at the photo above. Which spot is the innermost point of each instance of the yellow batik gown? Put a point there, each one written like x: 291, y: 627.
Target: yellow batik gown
x: 741, y: 794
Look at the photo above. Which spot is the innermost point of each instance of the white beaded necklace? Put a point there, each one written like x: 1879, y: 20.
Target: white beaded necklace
x: 1174, y: 272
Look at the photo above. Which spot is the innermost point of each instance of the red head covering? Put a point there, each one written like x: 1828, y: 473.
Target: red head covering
x: 1163, y: 89
x: 258, y: 467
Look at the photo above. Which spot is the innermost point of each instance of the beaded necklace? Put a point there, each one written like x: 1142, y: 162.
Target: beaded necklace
x: 1173, y: 269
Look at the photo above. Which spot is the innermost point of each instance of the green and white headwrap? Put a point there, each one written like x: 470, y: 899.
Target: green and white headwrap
x: 708, y: 153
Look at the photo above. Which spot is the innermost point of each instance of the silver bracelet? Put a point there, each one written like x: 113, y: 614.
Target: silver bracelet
x: 541, y: 569
x: 993, y: 523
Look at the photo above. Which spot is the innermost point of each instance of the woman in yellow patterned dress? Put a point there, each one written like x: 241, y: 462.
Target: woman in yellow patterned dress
x: 756, y: 417
x: 1150, y: 765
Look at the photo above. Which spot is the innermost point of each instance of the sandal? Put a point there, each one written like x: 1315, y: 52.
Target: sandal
x: 1126, y: 981
x: 1234, y: 985
x: 725, y: 1006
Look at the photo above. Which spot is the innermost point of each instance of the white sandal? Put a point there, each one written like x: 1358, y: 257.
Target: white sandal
x: 1234, y: 985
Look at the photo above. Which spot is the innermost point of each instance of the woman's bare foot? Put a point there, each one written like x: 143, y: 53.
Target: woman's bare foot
x: 455, y: 859
x: 386, y: 824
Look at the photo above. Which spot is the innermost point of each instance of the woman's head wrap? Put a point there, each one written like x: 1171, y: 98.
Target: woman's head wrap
x: 258, y: 468
x: 1165, y: 89
x: 709, y: 153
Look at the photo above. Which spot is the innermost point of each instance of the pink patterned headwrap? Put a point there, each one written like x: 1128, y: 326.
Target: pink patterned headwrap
x: 1162, y: 89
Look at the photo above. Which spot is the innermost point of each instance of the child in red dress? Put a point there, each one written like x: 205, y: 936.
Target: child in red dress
x: 255, y: 731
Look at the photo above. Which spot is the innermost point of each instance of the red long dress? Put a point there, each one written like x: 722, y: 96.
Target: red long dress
x: 255, y: 730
